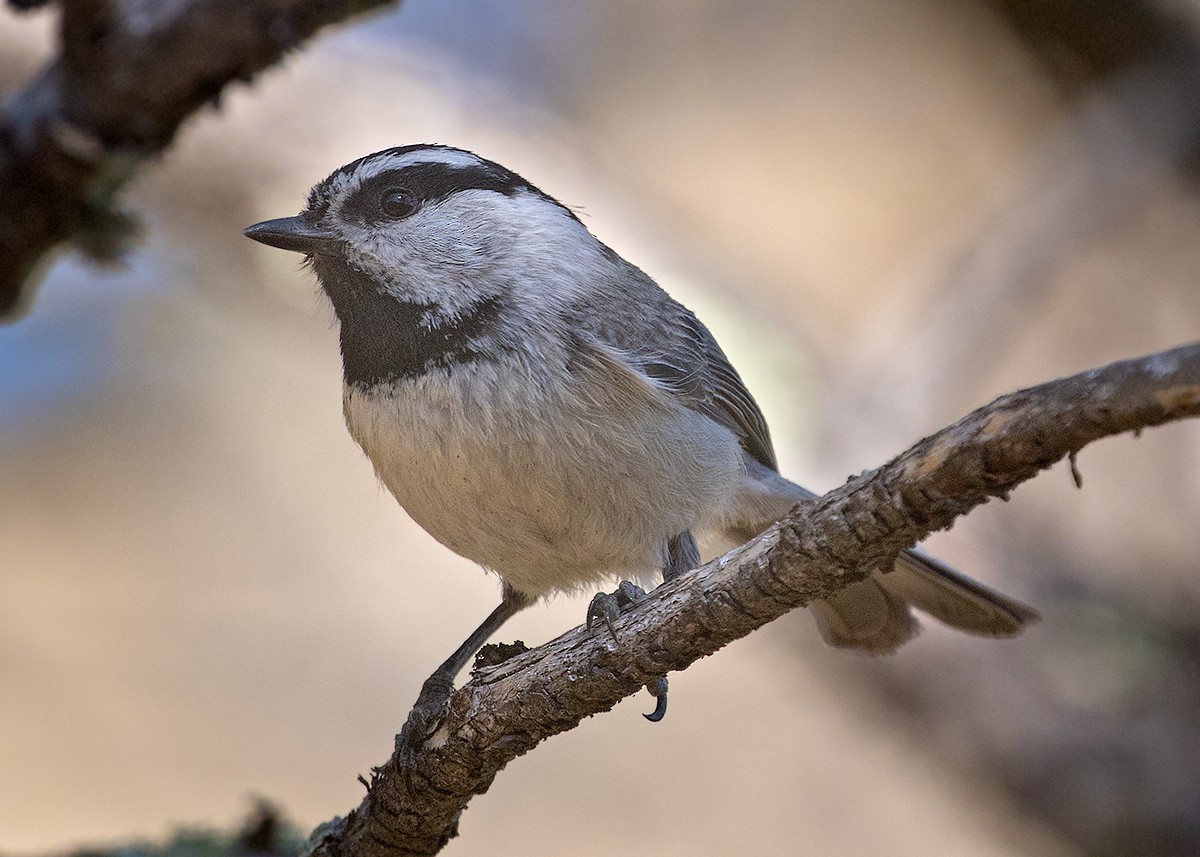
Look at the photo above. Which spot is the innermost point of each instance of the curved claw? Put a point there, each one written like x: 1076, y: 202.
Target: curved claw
x: 658, y: 690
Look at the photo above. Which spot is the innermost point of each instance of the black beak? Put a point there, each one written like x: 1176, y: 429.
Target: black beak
x: 291, y: 233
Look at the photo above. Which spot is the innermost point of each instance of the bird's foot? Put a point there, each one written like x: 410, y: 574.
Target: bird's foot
x: 427, y: 713
x: 606, y: 607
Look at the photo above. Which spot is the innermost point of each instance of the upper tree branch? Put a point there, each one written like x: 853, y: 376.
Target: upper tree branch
x: 127, y: 76
x: 412, y: 807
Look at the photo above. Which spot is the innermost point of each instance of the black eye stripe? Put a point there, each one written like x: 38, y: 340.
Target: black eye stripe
x: 428, y: 182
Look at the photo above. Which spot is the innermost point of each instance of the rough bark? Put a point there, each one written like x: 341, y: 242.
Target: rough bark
x: 127, y: 76
x: 413, y: 801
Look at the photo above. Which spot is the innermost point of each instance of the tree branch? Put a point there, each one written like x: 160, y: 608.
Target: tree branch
x: 412, y: 805
x: 127, y: 77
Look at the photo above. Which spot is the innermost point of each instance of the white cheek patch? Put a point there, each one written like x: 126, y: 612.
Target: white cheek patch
x: 421, y: 266
x: 559, y: 258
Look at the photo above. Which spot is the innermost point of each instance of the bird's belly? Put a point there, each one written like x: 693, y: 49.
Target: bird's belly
x: 554, y: 496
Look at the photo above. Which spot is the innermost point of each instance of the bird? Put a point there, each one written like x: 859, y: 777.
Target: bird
x: 539, y: 405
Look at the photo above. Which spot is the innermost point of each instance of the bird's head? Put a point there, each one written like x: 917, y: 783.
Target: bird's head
x: 438, y: 226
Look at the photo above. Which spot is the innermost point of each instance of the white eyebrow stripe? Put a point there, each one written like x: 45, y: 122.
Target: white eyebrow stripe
x: 385, y: 163
x: 342, y: 184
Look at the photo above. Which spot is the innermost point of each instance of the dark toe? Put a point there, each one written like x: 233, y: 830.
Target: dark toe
x: 604, y: 607
x: 607, y: 606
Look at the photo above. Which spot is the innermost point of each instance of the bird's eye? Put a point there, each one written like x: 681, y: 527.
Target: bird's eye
x: 397, y: 203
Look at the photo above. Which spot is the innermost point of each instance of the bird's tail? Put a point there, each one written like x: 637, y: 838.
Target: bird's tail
x: 874, y: 615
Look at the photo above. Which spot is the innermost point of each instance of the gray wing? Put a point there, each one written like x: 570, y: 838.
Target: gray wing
x: 706, y: 380
x: 664, y: 340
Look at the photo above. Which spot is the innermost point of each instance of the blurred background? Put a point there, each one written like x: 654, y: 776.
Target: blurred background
x: 888, y: 212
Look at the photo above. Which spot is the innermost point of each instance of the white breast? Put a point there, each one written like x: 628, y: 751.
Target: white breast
x: 549, y: 489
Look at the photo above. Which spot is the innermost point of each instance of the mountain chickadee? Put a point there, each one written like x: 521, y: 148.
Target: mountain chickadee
x: 540, y: 406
